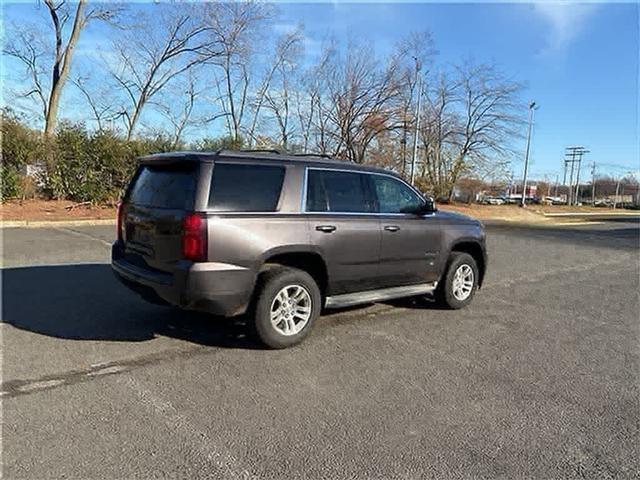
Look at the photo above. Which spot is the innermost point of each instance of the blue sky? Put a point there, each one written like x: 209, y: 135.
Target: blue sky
x: 579, y: 61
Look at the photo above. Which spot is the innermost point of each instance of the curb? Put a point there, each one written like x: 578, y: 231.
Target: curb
x: 55, y: 223
x: 592, y: 214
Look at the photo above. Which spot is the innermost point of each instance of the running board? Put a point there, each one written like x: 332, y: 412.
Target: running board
x: 380, y: 295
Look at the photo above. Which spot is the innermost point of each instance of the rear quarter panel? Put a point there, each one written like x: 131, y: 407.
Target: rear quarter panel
x: 248, y: 240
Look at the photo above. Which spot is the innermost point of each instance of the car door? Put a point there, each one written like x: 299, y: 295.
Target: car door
x: 343, y: 226
x: 410, y: 242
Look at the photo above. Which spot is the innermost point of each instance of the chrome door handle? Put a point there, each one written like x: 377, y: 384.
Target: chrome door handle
x: 326, y: 228
x: 392, y: 228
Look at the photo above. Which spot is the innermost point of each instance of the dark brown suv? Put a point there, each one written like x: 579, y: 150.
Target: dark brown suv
x: 284, y: 236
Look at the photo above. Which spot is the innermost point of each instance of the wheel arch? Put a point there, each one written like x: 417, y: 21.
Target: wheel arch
x: 477, y: 251
x: 308, y: 261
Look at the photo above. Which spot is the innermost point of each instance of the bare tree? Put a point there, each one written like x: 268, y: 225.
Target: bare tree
x: 437, y: 131
x: 413, y: 54
x: 361, y: 100
x: 155, y: 51
x: 311, y: 96
x: 27, y: 47
x: 181, y: 112
x: 22, y: 47
x: 288, y: 48
x: 469, y: 126
x: 233, y: 30
x: 97, y: 98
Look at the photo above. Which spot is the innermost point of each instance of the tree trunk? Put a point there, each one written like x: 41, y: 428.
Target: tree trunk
x: 62, y: 63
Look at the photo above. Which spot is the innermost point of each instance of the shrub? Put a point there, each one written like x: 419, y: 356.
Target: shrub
x: 10, y: 183
x: 20, y: 145
x: 94, y: 167
x: 80, y: 165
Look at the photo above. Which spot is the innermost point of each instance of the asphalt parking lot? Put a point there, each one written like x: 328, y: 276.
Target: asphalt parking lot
x: 538, y: 378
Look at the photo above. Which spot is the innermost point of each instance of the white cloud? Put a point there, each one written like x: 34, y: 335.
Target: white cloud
x: 566, y: 22
x: 286, y: 28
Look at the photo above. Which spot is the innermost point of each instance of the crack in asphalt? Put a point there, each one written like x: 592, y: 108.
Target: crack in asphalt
x: 14, y: 388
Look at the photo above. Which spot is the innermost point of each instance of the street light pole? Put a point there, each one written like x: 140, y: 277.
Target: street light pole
x: 415, y: 136
x: 532, y: 107
x: 593, y: 183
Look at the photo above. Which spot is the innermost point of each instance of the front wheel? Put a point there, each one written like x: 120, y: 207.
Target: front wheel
x: 286, y: 307
x: 460, y: 282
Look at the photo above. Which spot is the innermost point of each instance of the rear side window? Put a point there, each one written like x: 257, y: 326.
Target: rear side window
x: 245, y: 188
x: 335, y: 191
x: 164, y: 186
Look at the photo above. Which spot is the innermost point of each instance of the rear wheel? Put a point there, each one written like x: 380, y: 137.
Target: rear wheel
x: 460, y: 282
x: 286, y: 307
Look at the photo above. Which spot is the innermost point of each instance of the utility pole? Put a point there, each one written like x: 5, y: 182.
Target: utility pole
x: 576, y: 197
x: 615, y: 200
x: 593, y: 183
x: 573, y: 160
x: 573, y: 155
x: 415, y: 136
x: 532, y: 107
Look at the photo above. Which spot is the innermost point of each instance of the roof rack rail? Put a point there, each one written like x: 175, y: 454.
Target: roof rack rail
x: 262, y: 150
x: 322, y: 155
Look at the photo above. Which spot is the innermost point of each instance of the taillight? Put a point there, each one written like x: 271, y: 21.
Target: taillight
x: 194, y: 237
x: 119, y: 213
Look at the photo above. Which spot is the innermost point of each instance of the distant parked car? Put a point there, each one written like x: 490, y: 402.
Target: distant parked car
x: 553, y: 200
x: 493, y: 201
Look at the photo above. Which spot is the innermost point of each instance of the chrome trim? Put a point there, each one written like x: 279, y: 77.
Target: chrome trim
x: 214, y: 213
x: 303, y: 197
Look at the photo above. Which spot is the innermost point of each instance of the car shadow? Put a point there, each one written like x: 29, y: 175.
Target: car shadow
x: 86, y: 302
x: 423, y: 302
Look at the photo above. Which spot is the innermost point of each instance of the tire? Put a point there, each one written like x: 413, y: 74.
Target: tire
x: 300, y: 289
x: 446, y: 294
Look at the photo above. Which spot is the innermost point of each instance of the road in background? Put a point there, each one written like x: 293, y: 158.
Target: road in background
x: 539, y: 377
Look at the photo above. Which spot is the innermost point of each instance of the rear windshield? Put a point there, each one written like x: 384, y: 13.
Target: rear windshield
x: 164, y: 186
x: 245, y: 188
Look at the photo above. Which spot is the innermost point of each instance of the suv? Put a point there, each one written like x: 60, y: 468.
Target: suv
x: 284, y: 236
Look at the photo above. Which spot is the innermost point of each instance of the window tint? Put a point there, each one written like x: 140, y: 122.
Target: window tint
x: 394, y: 196
x: 164, y: 186
x: 245, y: 188
x: 334, y: 191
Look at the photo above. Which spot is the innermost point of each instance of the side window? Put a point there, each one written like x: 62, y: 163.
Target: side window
x: 394, y: 196
x: 335, y: 191
x: 245, y: 188
x: 316, y: 193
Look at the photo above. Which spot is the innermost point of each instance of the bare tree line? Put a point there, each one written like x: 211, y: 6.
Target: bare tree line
x: 181, y: 69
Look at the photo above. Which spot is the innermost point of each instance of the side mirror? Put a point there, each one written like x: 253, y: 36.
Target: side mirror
x: 430, y: 205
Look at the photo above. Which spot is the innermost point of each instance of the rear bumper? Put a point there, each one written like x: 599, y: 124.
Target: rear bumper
x: 218, y: 288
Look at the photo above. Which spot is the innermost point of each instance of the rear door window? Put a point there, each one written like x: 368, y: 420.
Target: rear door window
x: 164, y: 186
x: 337, y: 191
x: 245, y: 187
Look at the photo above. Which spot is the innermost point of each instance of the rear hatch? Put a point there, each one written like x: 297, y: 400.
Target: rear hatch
x: 152, y: 213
